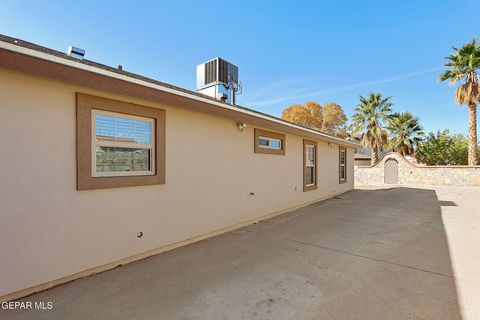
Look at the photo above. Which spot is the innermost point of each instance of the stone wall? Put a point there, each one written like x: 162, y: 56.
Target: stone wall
x: 410, y: 173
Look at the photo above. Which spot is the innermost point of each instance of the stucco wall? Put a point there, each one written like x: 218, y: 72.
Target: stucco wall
x: 49, y: 230
x: 409, y: 173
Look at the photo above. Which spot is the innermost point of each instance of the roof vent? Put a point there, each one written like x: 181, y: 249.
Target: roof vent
x: 75, y: 52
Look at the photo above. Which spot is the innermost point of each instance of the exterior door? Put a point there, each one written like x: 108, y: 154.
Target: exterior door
x: 391, y: 172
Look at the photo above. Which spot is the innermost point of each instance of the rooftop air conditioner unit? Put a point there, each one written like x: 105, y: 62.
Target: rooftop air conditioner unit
x: 218, y: 78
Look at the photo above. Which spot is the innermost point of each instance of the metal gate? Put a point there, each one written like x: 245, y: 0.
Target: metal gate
x: 391, y: 172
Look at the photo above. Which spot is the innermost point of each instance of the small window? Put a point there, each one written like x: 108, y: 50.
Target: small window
x: 269, y: 142
x: 309, y: 165
x: 123, y: 145
x: 343, y: 165
x: 119, y: 144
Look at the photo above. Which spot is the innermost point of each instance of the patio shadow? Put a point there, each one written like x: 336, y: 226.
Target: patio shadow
x: 368, y: 254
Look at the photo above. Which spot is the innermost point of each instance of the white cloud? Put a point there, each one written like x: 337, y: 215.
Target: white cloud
x: 287, y: 94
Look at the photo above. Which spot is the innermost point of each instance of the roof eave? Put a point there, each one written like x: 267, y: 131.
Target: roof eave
x: 182, y: 93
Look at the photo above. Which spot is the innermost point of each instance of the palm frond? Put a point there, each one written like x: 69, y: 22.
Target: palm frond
x: 463, y: 65
x: 369, y: 118
x: 405, y: 131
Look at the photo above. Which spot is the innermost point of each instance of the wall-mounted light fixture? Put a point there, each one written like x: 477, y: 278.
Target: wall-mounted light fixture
x: 330, y: 144
x: 241, y: 126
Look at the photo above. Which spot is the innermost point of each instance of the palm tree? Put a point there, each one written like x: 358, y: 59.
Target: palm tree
x: 368, y: 121
x: 406, y: 132
x: 464, y: 64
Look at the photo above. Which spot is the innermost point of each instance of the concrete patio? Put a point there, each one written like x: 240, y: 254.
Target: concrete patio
x: 373, y: 253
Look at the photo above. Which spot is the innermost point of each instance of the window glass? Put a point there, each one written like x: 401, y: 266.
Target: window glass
x: 116, y: 128
x: 113, y: 159
x: 309, y: 165
x: 277, y: 144
x: 310, y: 155
x: 343, y: 167
x: 263, y: 142
x: 310, y: 177
x: 269, y: 143
x: 123, y: 145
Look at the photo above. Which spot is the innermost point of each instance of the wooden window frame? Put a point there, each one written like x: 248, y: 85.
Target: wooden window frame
x: 271, y: 135
x: 85, y: 179
x: 315, y: 144
x: 340, y: 150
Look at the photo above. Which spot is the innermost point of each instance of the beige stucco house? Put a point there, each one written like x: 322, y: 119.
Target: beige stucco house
x: 101, y: 167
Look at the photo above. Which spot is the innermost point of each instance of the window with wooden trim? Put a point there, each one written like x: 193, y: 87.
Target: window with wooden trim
x: 342, y: 163
x: 309, y: 165
x: 268, y: 142
x: 119, y: 144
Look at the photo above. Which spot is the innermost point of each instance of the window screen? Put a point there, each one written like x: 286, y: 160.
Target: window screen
x: 123, y: 144
x: 343, y: 164
x: 309, y: 165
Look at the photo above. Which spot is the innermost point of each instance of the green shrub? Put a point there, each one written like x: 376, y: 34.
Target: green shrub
x: 443, y: 148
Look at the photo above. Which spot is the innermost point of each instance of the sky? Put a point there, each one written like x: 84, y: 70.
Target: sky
x: 288, y: 52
